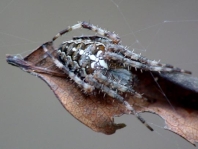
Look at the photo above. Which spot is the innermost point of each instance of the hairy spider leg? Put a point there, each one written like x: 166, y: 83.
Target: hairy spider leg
x: 92, y: 38
x: 115, y: 95
x: 87, y: 88
x: 115, y: 38
x: 137, y: 57
x: 114, y: 85
x: 136, y: 64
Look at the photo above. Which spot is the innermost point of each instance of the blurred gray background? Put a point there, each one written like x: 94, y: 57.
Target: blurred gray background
x: 32, y: 117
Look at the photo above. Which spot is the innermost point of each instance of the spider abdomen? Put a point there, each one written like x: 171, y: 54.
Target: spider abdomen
x: 82, y: 56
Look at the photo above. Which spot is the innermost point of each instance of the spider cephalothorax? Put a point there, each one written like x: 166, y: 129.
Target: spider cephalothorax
x: 102, y: 63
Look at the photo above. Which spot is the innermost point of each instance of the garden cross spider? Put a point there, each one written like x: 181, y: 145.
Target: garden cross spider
x: 102, y: 63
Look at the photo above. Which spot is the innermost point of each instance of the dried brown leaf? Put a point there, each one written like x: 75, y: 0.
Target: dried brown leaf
x: 97, y: 112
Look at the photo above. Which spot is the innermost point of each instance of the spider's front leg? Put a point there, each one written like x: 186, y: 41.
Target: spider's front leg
x: 107, y: 90
x: 141, y: 61
x: 115, y: 38
x: 142, y: 66
x: 133, y: 56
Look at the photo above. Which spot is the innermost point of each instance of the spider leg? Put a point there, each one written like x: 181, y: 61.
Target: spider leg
x: 87, y: 87
x: 137, y: 57
x: 115, y: 38
x: 93, y: 38
x: 114, y: 85
x: 128, y: 62
x: 91, y: 80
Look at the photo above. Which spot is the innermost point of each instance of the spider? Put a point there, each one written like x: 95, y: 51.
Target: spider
x: 102, y: 63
